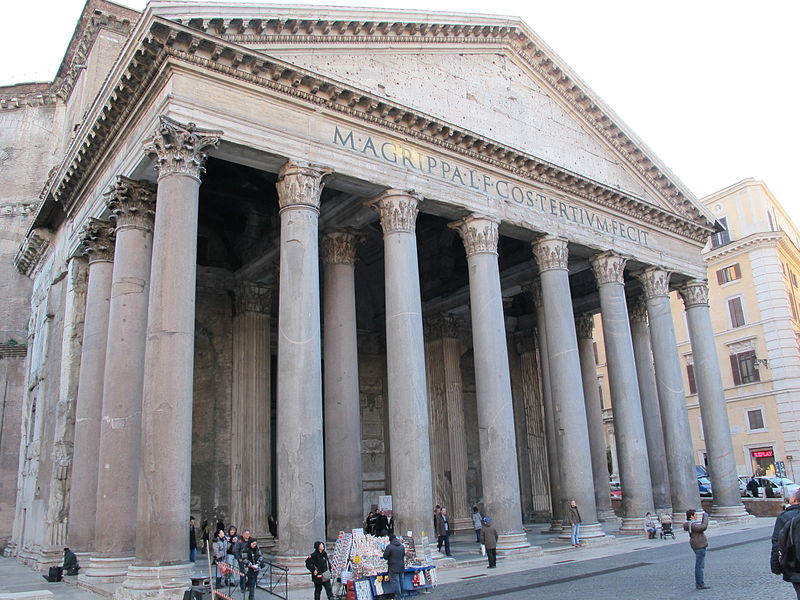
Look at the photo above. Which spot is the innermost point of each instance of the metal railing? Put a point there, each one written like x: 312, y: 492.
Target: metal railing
x: 274, y: 579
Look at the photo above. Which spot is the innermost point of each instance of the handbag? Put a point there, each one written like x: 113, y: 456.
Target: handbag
x: 325, y: 576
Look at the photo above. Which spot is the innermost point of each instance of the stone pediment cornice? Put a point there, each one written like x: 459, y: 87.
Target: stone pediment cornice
x: 763, y: 238
x: 163, y: 40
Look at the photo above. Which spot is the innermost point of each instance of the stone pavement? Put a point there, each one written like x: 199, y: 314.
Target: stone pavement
x: 556, y: 562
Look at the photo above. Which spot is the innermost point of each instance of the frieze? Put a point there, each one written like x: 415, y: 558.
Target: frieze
x: 398, y: 210
x: 132, y: 203
x: 694, y: 293
x: 97, y: 240
x: 339, y: 247
x: 551, y: 252
x: 584, y: 326
x: 300, y: 184
x: 480, y: 234
x: 608, y: 267
x: 655, y: 282
x: 181, y: 148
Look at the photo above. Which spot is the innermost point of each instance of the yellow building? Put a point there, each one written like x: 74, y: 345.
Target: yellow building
x: 753, y: 271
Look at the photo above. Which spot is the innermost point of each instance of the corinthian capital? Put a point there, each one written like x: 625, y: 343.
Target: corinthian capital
x: 694, y: 293
x: 584, y: 326
x: 550, y: 252
x: 655, y: 282
x: 442, y: 326
x: 180, y: 148
x: 300, y: 184
x: 608, y: 267
x: 132, y: 203
x: 339, y: 247
x: 97, y: 239
x: 638, y: 312
x: 479, y: 233
x: 253, y: 297
x: 397, y: 209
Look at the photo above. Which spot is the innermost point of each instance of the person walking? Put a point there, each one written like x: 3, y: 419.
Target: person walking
x: 477, y: 523
x: 791, y: 573
x: 699, y: 542
x: 395, y: 556
x: 442, y: 525
x: 319, y: 566
x: 575, y: 521
x: 219, y: 549
x: 650, y: 526
x: 251, y: 562
x: 192, y: 540
x: 489, y: 540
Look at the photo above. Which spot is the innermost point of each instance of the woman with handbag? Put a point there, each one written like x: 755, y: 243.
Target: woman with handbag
x: 320, y: 568
x: 251, y: 561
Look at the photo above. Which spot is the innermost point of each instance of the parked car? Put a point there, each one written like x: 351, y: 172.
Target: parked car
x: 704, y: 485
x: 782, y: 487
x: 616, y: 490
x: 743, y: 485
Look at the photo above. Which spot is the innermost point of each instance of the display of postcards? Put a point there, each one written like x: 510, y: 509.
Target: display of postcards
x: 430, y: 577
x: 341, y: 552
x: 411, y: 553
x: 426, y: 548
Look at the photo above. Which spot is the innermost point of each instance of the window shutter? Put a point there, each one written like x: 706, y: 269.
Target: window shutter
x: 738, y: 270
x: 737, y: 377
x: 721, y: 276
x: 690, y: 377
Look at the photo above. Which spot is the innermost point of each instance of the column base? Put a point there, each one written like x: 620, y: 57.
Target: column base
x: 632, y: 526
x: 155, y: 583
x: 507, y: 543
x: 10, y: 550
x: 105, y: 570
x: 606, y: 515
x: 730, y: 513
x: 590, y: 534
x: 556, y: 526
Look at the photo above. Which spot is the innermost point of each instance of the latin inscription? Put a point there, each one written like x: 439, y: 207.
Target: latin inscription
x: 507, y: 191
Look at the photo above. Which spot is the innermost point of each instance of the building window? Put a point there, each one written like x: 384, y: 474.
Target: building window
x: 736, y: 312
x: 690, y: 377
x: 743, y: 366
x: 755, y: 419
x: 728, y: 274
x: 596, y: 355
x: 723, y: 237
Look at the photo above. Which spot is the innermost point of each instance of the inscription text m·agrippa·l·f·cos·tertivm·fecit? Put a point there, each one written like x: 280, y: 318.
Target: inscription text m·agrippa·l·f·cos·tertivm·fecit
x: 413, y: 160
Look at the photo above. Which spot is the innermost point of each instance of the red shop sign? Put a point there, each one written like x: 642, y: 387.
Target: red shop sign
x: 762, y: 454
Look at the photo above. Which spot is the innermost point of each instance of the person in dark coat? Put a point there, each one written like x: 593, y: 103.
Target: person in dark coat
x: 320, y: 568
x: 272, y: 525
x: 369, y: 523
x: 71, y: 565
x: 251, y: 561
x: 575, y: 522
x: 238, y: 550
x: 192, y: 539
x: 752, y: 487
x: 790, y: 514
x: 699, y: 542
x: 230, y: 552
x: 381, y: 524
x: 442, y: 524
x: 395, y: 556
x: 489, y: 540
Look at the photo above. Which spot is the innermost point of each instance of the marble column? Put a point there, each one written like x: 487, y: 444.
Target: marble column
x: 132, y: 204
x: 727, y: 502
x: 98, y: 246
x: 251, y: 472
x: 439, y: 439
x: 301, y: 477
x: 161, y: 568
x: 634, y: 470
x: 671, y: 397
x: 572, y: 435
x: 498, y: 447
x: 410, y: 458
x: 551, y: 437
x: 584, y: 325
x: 654, y: 433
x: 345, y: 490
x: 533, y: 402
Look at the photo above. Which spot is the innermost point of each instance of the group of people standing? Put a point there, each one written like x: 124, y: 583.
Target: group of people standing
x: 379, y: 523
x: 238, y: 553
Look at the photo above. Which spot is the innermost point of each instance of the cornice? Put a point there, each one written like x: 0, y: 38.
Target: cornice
x: 762, y: 238
x: 166, y: 40
x: 31, y: 251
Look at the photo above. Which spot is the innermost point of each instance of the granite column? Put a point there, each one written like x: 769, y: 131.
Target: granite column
x: 161, y: 568
x: 98, y: 245
x: 344, y: 491
x: 410, y: 458
x: 727, y: 503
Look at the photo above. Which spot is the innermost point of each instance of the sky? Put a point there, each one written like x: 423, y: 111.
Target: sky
x: 711, y: 86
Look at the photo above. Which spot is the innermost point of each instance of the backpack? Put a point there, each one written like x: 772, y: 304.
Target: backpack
x: 787, y: 550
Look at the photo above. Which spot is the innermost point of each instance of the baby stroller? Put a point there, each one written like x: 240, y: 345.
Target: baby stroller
x: 666, y: 527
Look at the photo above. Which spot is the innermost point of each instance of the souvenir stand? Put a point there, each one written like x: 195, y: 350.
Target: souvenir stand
x: 357, y: 562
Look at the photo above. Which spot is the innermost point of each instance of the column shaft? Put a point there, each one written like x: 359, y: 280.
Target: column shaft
x: 132, y: 204
x: 344, y: 491
x: 711, y: 396
x: 98, y: 246
x: 671, y: 397
x: 637, y: 490
x: 438, y: 433
x: 594, y: 418
x: 645, y: 372
x: 405, y: 357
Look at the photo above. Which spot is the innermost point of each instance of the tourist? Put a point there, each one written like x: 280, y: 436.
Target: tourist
x: 752, y: 486
x: 272, y: 525
x: 206, y: 535
x: 395, y: 556
x: 575, y: 521
x: 220, y: 527
x: 239, y: 549
x: 251, y: 563
x: 477, y: 522
x: 650, y: 526
x: 381, y: 524
x: 778, y: 564
x: 71, y: 565
x: 369, y: 523
x: 442, y: 527
x: 219, y: 549
x: 230, y: 553
x: 699, y: 543
x: 489, y: 540
x: 192, y: 540
x: 319, y: 566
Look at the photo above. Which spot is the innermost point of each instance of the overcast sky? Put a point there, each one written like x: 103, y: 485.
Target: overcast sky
x: 711, y: 86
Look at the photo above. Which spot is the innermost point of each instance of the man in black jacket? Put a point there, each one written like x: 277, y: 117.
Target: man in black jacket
x: 395, y: 555
x: 785, y: 518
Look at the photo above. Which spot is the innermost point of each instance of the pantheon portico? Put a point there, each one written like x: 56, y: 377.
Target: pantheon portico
x: 329, y: 255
